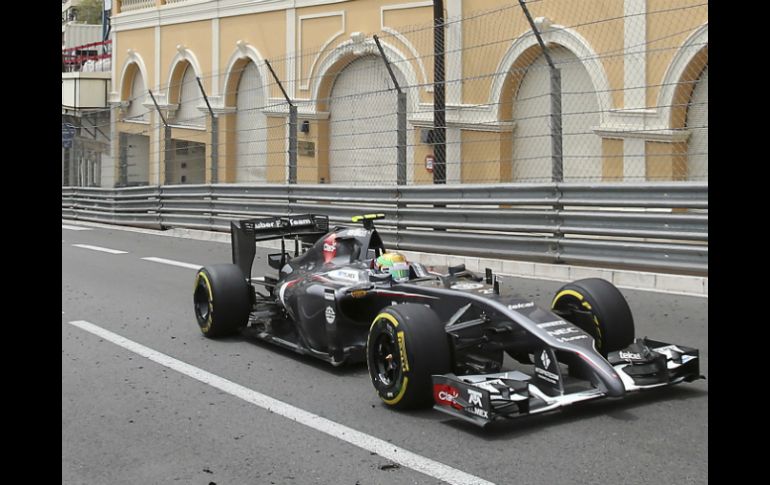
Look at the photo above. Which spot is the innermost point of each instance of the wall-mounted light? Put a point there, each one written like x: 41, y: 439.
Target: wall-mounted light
x: 305, y: 128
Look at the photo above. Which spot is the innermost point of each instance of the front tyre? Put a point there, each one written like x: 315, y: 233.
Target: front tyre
x: 406, y: 345
x: 597, y: 306
x: 221, y: 300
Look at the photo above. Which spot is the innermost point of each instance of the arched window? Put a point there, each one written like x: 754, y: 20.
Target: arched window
x: 251, y: 127
x: 189, y: 98
x: 136, y: 110
x: 698, y: 125
x: 581, y: 147
x: 363, y: 123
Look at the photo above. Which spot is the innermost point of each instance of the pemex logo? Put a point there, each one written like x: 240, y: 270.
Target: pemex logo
x: 545, y: 360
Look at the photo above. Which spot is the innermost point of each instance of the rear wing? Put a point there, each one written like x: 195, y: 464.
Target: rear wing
x: 244, y: 233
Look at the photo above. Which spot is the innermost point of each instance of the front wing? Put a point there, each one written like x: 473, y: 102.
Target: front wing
x: 481, y: 399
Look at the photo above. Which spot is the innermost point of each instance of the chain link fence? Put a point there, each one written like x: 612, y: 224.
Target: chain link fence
x: 616, y: 92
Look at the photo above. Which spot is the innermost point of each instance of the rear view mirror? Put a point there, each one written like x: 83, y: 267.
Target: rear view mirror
x: 277, y: 260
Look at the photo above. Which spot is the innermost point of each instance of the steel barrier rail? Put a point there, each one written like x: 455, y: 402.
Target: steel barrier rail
x: 136, y: 206
x: 652, y: 226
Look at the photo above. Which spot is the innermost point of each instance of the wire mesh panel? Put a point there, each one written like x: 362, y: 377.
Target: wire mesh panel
x: 362, y: 124
x: 250, y: 127
x: 576, y: 91
x: 582, y: 148
x: 697, y: 124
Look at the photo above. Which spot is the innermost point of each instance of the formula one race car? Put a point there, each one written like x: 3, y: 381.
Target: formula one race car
x: 428, y: 338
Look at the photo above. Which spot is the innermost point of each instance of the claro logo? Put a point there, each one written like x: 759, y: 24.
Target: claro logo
x: 446, y: 395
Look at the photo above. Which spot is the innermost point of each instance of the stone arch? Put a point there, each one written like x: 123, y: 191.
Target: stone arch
x: 525, y: 49
x: 347, y: 52
x: 530, y: 160
x: 358, y: 146
x: 133, y: 65
x: 182, y: 60
x: 239, y: 59
x: 679, y: 80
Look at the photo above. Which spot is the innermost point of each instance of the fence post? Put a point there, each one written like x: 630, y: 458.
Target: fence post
x: 169, y: 154
x: 557, y: 163
x: 292, y: 144
x: 214, y: 149
x: 401, y: 123
x: 402, y: 143
x: 122, y: 159
x: 439, y: 98
x: 214, y: 135
x: 292, y: 128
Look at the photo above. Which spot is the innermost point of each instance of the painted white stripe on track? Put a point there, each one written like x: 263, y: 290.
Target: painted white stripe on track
x: 173, y: 263
x: 362, y: 440
x: 99, y: 248
x: 76, y: 228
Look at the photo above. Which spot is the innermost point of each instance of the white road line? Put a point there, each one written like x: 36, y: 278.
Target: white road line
x: 99, y: 248
x: 173, y: 263
x: 76, y: 228
x: 370, y: 443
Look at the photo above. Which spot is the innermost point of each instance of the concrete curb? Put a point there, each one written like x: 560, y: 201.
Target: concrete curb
x: 632, y: 280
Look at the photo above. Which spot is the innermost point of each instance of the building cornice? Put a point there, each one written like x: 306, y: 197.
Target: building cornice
x: 194, y: 11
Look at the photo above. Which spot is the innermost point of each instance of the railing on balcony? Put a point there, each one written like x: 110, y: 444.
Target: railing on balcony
x: 87, y: 58
x: 130, y: 5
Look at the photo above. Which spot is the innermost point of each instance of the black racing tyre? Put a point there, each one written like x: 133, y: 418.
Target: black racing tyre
x: 221, y: 300
x: 597, y: 306
x: 406, y: 345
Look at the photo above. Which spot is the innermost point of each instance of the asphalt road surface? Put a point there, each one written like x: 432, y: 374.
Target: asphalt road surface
x: 147, y: 399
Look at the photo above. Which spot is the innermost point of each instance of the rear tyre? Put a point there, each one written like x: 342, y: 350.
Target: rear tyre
x: 597, y: 306
x: 221, y: 300
x: 406, y: 345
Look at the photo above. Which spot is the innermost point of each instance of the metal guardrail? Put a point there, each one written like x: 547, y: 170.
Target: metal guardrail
x: 653, y: 227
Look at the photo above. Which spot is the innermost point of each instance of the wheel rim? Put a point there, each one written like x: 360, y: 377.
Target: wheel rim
x: 201, y: 301
x: 386, y: 360
x: 574, y: 307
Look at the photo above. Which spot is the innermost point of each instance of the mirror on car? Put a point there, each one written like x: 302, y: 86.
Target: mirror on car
x: 277, y: 260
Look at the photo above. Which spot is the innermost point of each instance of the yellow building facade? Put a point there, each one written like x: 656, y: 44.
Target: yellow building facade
x: 634, y: 77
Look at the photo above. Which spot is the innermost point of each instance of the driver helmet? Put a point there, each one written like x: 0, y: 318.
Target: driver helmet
x: 395, y: 264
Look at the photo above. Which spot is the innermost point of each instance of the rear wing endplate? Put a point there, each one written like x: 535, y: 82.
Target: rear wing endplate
x: 246, y: 232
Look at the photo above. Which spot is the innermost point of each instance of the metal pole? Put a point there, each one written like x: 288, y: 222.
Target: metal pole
x: 557, y: 162
x: 292, y: 128
x: 122, y: 159
x: 169, y: 154
x: 292, y: 144
x: 401, y: 140
x: 214, y: 135
x: 401, y: 122
x: 214, y: 150
x: 439, y: 106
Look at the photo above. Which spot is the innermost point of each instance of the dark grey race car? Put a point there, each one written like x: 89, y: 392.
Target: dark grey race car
x: 436, y: 339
